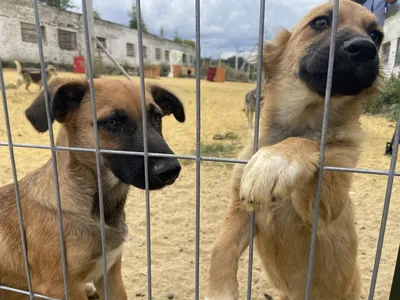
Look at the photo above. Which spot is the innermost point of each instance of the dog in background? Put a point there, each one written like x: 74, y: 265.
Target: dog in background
x: 29, y: 76
x: 250, y: 102
x: 279, y: 182
x: 120, y: 127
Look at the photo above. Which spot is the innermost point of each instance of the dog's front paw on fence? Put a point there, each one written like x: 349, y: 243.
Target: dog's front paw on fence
x: 272, y: 175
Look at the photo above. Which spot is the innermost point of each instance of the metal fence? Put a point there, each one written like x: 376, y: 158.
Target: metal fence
x: 198, y: 158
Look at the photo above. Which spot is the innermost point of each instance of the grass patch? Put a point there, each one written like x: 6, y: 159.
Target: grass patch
x: 226, y: 136
x: 217, y: 150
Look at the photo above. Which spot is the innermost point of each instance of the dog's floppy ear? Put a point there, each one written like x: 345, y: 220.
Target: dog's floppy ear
x: 273, y: 51
x: 65, y: 95
x: 168, y: 102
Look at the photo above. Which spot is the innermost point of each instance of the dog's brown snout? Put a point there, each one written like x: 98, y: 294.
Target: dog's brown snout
x: 360, y: 49
x: 167, y: 170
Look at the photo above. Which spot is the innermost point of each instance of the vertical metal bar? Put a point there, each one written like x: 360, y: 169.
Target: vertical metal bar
x: 323, y: 146
x: 90, y: 16
x: 53, y: 150
x: 145, y: 149
x: 385, y: 211
x: 15, y: 179
x: 198, y: 141
x: 256, y: 135
x: 89, y: 43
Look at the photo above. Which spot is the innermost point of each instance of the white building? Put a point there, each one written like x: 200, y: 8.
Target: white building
x: 391, y: 44
x: 63, y: 38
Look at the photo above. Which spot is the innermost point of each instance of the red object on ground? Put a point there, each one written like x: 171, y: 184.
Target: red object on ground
x: 79, y: 64
x: 211, y: 73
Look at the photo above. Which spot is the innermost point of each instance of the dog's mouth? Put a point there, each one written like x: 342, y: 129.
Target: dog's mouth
x: 356, y: 68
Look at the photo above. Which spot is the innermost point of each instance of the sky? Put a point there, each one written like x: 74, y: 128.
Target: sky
x: 225, y: 24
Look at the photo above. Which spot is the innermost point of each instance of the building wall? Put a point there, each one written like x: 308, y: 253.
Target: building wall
x: 392, y: 36
x: 13, y: 12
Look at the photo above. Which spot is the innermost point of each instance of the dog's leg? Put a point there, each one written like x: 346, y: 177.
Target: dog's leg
x: 27, y: 87
x: 231, y: 242
x: 289, y: 168
x: 116, y: 289
x: 18, y: 84
x: 288, y: 171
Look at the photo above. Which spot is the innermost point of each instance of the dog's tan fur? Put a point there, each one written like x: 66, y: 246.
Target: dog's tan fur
x: 26, y: 76
x: 78, y: 184
x: 279, y: 183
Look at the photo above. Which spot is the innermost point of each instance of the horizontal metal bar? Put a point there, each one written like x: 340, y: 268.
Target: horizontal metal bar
x: 187, y: 157
x: 357, y: 170
x: 6, y: 288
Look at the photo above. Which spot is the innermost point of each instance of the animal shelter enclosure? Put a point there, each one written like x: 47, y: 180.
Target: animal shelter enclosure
x: 198, y: 168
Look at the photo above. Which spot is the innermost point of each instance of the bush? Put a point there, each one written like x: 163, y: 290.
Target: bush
x: 388, y: 100
x: 164, y: 70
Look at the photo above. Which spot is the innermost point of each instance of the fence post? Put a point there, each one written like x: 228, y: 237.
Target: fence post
x: 93, y: 44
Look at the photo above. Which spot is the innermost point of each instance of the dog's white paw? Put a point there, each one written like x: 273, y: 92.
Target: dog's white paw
x: 268, y: 176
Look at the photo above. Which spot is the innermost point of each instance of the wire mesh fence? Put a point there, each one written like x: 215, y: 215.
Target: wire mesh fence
x: 197, y: 158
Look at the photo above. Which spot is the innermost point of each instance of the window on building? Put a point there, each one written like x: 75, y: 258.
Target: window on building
x: 184, y: 58
x: 130, y: 50
x: 67, y: 39
x: 397, y: 59
x: 158, y: 53
x: 166, y: 55
x: 102, y: 41
x: 144, y: 52
x: 191, y: 59
x: 29, y: 34
x: 385, y: 52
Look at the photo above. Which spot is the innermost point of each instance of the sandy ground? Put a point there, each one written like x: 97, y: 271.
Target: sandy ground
x: 173, y: 209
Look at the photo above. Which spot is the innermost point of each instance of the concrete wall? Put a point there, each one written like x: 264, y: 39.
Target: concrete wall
x: 392, y: 36
x: 12, y: 12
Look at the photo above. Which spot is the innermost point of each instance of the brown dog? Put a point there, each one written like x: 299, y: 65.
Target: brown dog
x: 279, y: 183
x: 27, y: 76
x: 250, y: 103
x: 119, y: 119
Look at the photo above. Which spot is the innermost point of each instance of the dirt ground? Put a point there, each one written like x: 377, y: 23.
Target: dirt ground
x: 173, y: 209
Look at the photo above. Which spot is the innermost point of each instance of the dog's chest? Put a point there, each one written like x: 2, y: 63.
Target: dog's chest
x: 97, y: 270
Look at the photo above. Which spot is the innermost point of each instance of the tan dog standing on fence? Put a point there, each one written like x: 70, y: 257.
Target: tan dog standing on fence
x: 119, y: 119
x: 280, y: 181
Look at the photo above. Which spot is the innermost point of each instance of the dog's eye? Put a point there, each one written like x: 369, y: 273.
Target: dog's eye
x: 376, y: 36
x: 111, y: 123
x: 320, y: 23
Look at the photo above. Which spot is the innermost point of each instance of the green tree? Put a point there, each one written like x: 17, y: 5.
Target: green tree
x: 96, y: 14
x: 177, y: 39
x: 133, y: 23
x: 161, y: 31
x: 60, y: 4
x: 189, y: 42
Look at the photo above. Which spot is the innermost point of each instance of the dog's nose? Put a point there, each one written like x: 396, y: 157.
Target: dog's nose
x: 360, y: 49
x: 167, y: 170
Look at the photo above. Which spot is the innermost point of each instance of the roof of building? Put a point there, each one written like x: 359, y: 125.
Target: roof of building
x: 29, y: 3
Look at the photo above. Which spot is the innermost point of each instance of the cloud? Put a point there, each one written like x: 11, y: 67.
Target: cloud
x: 224, y: 24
